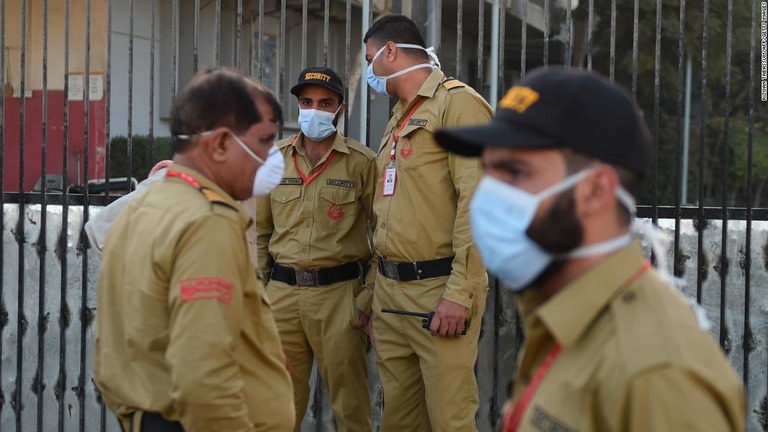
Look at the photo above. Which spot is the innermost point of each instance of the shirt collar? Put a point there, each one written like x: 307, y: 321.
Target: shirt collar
x: 339, y: 144
x: 244, y: 217
x: 571, y: 311
x: 427, y: 90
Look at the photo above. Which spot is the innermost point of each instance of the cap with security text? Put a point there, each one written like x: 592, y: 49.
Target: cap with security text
x: 320, y: 76
x: 562, y: 108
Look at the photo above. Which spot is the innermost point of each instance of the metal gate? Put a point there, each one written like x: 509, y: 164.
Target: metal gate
x: 87, y: 90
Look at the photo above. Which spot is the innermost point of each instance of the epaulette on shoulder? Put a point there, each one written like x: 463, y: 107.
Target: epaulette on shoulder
x: 360, y: 148
x: 453, y: 83
x: 285, y: 142
x: 215, y: 198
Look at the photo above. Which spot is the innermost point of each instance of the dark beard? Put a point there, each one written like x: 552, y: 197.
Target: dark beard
x: 559, y: 231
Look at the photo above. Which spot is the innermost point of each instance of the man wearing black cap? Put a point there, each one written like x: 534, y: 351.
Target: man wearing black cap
x: 610, y: 345
x: 312, y: 242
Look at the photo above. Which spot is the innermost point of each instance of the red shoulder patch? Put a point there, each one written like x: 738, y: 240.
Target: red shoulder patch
x: 206, y: 288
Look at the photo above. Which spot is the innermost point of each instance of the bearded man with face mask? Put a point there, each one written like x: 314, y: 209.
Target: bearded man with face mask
x: 610, y: 344
x: 312, y: 241
x: 186, y: 339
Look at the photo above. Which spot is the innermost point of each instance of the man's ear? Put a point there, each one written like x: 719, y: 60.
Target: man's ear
x: 217, y: 144
x: 600, y: 190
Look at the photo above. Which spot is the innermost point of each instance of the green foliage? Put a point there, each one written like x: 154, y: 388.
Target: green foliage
x: 721, y: 97
x: 145, y: 153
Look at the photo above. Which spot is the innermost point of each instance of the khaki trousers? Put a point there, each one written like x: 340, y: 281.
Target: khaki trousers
x: 320, y: 323
x: 429, y: 382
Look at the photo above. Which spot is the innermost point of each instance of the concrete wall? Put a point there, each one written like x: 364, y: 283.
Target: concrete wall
x: 64, y: 296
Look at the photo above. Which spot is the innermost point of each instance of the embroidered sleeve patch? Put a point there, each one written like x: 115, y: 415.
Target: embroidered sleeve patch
x: 206, y: 288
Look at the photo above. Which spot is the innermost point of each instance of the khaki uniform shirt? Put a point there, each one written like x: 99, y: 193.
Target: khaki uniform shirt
x: 427, y: 217
x: 185, y: 329
x: 324, y: 223
x: 633, y: 358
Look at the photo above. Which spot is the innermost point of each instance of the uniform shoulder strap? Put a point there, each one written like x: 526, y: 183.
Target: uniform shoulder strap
x: 452, y: 83
x: 214, y: 198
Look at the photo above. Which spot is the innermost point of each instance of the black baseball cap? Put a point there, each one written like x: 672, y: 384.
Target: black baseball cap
x: 320, y: 76
x: 562, y: 108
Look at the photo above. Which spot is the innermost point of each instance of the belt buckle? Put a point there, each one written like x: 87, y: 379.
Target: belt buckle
x: 306, y: 278
x: 390, y: 270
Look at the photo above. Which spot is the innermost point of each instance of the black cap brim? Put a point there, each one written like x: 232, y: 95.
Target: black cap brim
x: 470, y: 141
x: 296, y: 90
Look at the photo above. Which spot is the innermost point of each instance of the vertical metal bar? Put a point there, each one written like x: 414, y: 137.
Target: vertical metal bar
x: 151, y: 152
x: 364, y: 91
x: 493, y: 90
x: 590, y: 32
x: 61, y: 247
x: 725, y: 340
x: 129, y: 131
x: 20, y: 235
x: 677, y: 256
x: 569, y: 40
x: 438, y: 24
x: 546, y: 33
x: 196, y: 37
x: 41, y: 246
x: 326, y: 25
x: 3, y: 354
x: 84, y: 311
x: 239, y: 35
x: 281, y: 75
x: 459, y: 35
x: 502, y: 44
x: 261, y: 42
x: 635, y: 43
x: 656, y: 102
x: 368, y: 12
x: 524, y: 41
x: 217, y: 34
x: 347, y: 62
x: 304, y: 34
x: 107, y: 136
x: 174, y: 47
x: 612, y: 52
x: 480, y: 43
x: 702, y: 265
x: 749, y: 342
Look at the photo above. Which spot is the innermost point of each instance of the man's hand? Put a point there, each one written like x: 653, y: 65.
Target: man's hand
x: 449, y: 319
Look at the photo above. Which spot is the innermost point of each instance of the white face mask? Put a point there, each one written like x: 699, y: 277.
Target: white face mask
x: 379, y: 83
x: 268, y: 176
x: 257, y: 186
x: 500, y: 215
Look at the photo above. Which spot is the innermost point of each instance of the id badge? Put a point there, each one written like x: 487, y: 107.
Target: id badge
x: 390, y: 178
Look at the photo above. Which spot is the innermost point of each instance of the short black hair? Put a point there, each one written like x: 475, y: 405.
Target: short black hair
x: 213, y: 98
x: 398, y: 29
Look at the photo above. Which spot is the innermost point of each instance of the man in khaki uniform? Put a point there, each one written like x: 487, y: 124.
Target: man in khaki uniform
x: 186, y: 338
x: 610, y: 344
x: 311, y: 234
x: 426, y: 259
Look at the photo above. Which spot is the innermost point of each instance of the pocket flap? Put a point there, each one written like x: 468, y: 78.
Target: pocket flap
x: 338, y: 195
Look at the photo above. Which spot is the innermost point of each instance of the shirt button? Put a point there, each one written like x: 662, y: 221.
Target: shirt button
x: 471, y: 295
x: 304, y: 249
x: 309, y: 198
x: 308, y: 224
x: 283, y: 198
x: 383, y: 224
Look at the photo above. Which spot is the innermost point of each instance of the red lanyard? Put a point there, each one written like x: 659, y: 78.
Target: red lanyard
x: 396, y: 135
x: 513, y: 418
x: 308, y: 180
x: 184, y: 176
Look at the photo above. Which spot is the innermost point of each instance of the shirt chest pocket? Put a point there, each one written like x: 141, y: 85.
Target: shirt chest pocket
x: 416, y: 148
x: 286, y: 206
x: 337, y: 208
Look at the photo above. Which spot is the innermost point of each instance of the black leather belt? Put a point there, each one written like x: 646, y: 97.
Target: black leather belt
x: 409, y: 271
x: 154, y: 422
x: 315, y: 277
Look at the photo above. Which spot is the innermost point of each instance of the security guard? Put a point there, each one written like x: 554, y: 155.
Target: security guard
x: 313, y: 244
x: 610, y: 344
x: 426, y: 259
x: 186, y: 338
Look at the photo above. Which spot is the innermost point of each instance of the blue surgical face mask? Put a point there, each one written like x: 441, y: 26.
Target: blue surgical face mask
x: 379, y: 83
x: 500, y: 215
x: 317, y: 125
